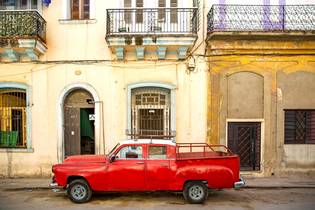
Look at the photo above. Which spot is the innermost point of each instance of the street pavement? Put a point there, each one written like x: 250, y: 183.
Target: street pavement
x: 265, y: 182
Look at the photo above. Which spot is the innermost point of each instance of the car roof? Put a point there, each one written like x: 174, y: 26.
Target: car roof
x: 149, y: 141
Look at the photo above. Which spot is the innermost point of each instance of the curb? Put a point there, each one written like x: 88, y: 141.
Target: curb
x: 277, y: 187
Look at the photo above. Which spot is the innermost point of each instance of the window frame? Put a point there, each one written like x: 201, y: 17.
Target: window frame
x: 138, y: 123
x: 171, y: 88
x: 290, y: 129
x: 81, y: 10
x: 28, y: 148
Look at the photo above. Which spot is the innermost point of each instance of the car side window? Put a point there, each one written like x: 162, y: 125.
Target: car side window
x: 130, y: 152
x: 157, y: 152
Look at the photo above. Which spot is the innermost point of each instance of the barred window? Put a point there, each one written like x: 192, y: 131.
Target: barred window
x: 299, y: 127
x: 150, y: 112
x: 12, y: 118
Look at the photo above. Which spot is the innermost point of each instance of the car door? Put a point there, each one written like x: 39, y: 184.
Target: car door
x: 157, y: 168
x: 126, y: 171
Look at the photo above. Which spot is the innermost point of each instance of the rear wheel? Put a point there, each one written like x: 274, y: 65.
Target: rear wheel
x: 195, y: 192
x: 79, y: 191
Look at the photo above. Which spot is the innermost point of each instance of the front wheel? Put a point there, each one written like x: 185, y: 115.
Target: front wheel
x: 195, y: 192
x: 79, y: 191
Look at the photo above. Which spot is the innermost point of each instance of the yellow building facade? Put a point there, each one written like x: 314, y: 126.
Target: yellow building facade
x: 260, y: 92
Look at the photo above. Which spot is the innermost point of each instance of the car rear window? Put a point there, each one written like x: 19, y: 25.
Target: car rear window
x: 157, y: 152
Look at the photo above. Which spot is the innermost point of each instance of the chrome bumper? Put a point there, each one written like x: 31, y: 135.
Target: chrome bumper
x: 239, y: 184
x: 55, y: 187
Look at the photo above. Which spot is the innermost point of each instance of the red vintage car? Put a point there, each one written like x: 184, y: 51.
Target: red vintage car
x: 150, y: 165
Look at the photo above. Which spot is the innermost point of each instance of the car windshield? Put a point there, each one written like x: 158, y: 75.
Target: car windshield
x: 113, y: 150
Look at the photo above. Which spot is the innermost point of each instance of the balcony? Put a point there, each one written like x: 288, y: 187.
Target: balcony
x: 264, y: 29
x: 261, y: 18
x: 153, y: 33
x: 22, y: 35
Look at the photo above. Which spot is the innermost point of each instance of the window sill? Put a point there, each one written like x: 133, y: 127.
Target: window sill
x: 74, y: 21
x: 16, y: 150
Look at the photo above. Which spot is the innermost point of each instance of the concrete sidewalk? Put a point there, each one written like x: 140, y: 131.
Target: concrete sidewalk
x: 275, y: 182
x: 268, y: 182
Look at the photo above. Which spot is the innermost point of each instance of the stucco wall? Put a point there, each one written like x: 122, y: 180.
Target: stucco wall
x: 295, y: 91
x: 110, y: 80
x: 245, y: 96
x: 288, y: 83
x: 85, y: 39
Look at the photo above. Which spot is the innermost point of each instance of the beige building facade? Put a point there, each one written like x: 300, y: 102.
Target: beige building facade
x: 93, y: 85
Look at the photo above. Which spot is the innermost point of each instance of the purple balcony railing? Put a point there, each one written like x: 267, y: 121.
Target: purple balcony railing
x: 261, y: 18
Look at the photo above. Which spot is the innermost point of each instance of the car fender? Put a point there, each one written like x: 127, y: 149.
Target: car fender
x: 216, y: 176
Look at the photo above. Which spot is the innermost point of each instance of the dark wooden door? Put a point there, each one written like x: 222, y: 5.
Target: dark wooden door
x: 72, y: 136
x: 244, y: 140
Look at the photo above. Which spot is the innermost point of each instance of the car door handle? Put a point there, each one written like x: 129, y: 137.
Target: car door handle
x: 166, y: 165
x: 139, y: 162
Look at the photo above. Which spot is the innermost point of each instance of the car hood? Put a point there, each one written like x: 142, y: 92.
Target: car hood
x: 86, y: 159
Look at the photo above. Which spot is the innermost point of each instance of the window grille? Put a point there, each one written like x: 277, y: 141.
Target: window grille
x: 299, y: 127
x: 150, y: 113
x: 12, y: 118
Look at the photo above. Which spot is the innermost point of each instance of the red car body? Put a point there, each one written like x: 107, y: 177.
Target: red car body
x: 178, y: 164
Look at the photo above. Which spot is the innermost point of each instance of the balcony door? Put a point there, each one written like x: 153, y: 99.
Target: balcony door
x: 152, y: 16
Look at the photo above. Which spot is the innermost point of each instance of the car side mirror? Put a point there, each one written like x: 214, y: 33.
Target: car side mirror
x: 112, y: 159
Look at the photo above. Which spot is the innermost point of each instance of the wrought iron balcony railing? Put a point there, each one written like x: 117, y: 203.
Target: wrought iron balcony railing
x: 152, y: 21
x: 22, y: 24
x: 261, y: 18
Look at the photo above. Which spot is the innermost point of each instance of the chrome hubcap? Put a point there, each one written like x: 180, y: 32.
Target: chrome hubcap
x: 78, y: 192
x: 196, y: 192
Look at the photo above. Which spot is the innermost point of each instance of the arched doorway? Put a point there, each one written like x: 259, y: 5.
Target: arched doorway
x: 79, y: 132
